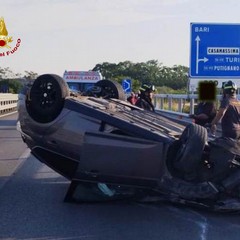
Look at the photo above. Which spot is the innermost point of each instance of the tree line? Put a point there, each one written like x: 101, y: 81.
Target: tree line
x: 11, y: 82
x: 170, y: 78
x: 166, y: 79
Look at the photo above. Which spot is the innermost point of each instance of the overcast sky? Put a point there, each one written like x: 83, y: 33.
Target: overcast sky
x: 59, y: 35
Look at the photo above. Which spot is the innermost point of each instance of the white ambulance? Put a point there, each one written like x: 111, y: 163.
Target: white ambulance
x: 81, y: 80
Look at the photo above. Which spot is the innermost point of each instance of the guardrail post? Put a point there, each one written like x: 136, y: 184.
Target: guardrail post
x: 161, y: 102
x: 180, y: 104
x: 191, y: 105
x: 170, y: 103
x: 156, y: 103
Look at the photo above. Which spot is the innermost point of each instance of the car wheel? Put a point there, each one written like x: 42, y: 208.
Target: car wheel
x: 111, y: 89
x: 46, y: 98
x: 189, y: 155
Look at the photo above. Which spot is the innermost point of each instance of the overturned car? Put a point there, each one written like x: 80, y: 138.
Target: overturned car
x: 106, y: 146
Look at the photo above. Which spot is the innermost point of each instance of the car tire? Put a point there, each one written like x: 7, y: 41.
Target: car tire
x: 46, y: 98
x: 189, y: 155
x: 111, y: 89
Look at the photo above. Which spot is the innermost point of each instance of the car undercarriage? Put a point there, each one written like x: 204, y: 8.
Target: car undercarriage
x: 110, y: 149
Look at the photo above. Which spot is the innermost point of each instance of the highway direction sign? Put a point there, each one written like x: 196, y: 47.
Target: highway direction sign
x: 215, y: 51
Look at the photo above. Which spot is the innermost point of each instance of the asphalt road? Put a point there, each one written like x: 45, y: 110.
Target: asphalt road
x: 32, y: 207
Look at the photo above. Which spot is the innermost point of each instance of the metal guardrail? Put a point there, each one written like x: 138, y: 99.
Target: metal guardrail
x: 8, y: 102
x: 168, y: 103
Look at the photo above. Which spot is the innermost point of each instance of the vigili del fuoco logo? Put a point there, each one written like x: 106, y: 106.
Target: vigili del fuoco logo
x: 6, y: 41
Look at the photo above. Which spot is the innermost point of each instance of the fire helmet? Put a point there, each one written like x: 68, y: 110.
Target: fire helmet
x: 229, y: 87
x: 147, y: 87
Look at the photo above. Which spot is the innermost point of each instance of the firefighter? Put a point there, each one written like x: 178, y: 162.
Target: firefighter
x: 206, y: 111
x: 146, y: 97
x: 228, y: 113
